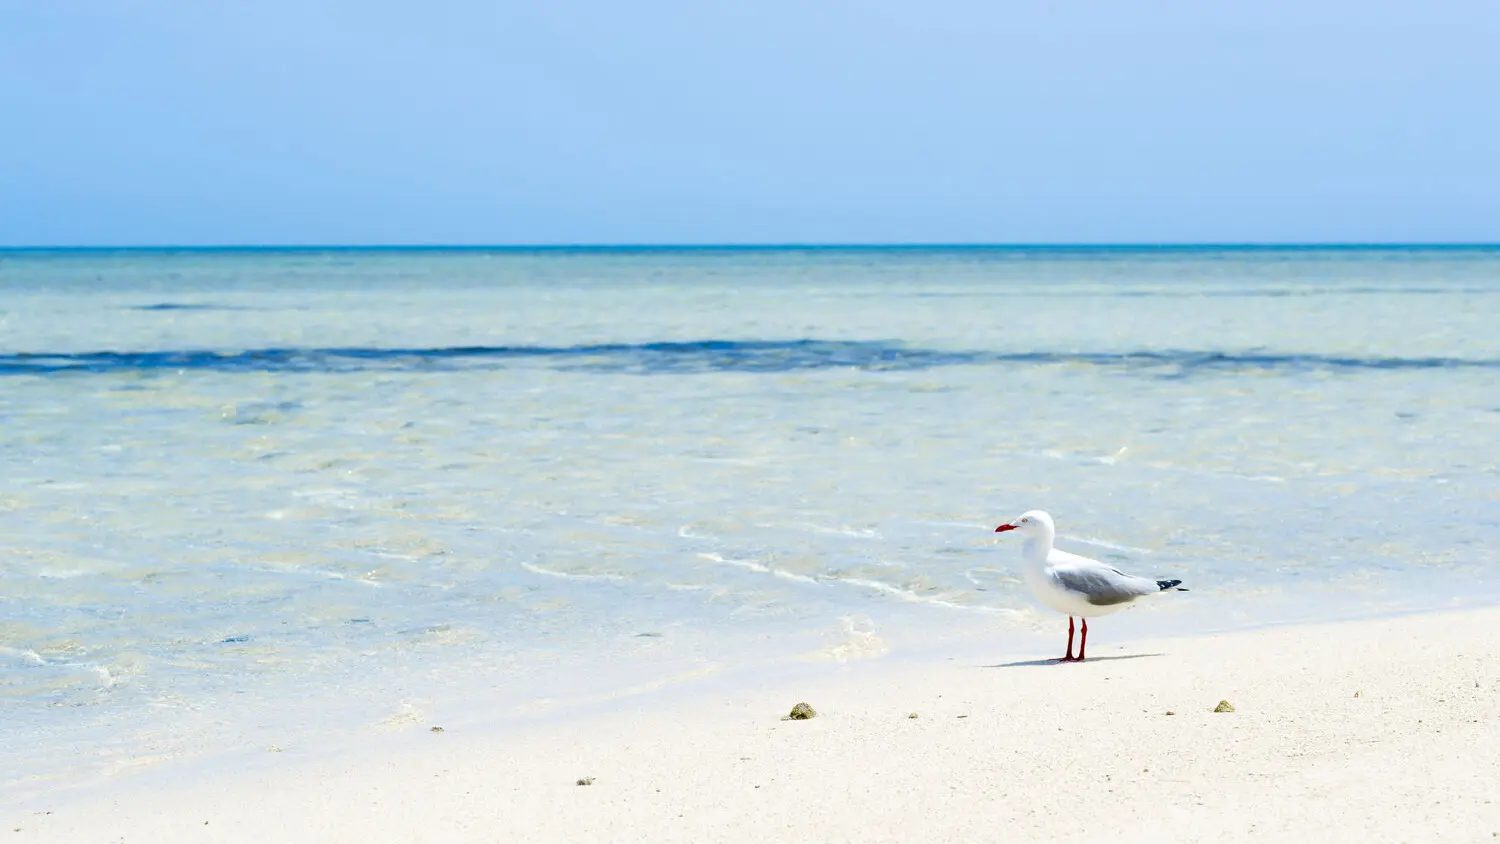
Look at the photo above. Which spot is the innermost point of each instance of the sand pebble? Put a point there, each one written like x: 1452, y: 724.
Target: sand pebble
x: 801, y: 712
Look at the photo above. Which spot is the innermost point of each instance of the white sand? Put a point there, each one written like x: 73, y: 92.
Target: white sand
x: 1018, y: 753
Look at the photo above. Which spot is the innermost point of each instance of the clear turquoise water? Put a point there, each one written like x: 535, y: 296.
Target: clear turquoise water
x: 245, y: 496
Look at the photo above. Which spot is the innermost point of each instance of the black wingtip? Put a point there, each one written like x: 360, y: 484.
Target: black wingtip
x: 1168, y: 584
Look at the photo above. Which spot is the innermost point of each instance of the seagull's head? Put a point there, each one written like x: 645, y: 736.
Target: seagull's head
x: 1030, y: 523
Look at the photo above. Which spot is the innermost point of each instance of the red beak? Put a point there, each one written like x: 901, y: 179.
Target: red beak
x: 1004, y: 528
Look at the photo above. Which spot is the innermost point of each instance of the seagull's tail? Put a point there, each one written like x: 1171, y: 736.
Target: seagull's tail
x: 1170, y: 584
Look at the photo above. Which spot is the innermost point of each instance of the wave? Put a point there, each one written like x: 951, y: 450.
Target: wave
x: 1103, y: 543
x: 766, y: 356
x: 759, y: 568
x: 911, y: 596
x: 564, y: 575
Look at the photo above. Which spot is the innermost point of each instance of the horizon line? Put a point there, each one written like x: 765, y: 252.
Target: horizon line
x: 743, y: 246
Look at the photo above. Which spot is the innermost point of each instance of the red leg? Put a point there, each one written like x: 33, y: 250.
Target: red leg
x: 1083, y: 642
x: 1069, y: 657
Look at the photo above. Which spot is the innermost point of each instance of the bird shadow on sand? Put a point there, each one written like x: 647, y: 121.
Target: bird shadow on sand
x: 1055, y: 661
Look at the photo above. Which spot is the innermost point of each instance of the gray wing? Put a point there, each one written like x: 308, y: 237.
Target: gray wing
x: 1103, y: 586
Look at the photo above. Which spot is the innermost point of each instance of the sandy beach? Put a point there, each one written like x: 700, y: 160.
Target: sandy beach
x: 1373, y: 730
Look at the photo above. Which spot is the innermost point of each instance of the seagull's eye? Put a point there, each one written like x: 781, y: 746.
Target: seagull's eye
x: 1024, y: 521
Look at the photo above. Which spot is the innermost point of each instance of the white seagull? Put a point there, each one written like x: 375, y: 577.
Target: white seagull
x: 1077, y: 586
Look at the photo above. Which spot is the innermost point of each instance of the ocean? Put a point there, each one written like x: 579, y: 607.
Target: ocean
x: 254, y: 499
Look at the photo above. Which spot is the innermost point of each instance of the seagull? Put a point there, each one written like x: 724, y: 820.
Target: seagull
x: 1072, y: 584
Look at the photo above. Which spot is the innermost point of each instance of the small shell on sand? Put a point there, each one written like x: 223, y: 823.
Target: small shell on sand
x: 801, y: 712
x: 585, y: 780
x: 437, y: 729
x: 913, y: 715
x: 1224, y: 706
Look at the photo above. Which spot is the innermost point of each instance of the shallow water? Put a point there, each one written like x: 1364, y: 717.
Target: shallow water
x: 251, y: 494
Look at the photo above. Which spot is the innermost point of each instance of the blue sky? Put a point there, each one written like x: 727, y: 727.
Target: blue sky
x: 583, y: 121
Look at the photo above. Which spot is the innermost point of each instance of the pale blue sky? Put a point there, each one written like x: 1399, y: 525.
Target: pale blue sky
x: 670, y: 121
